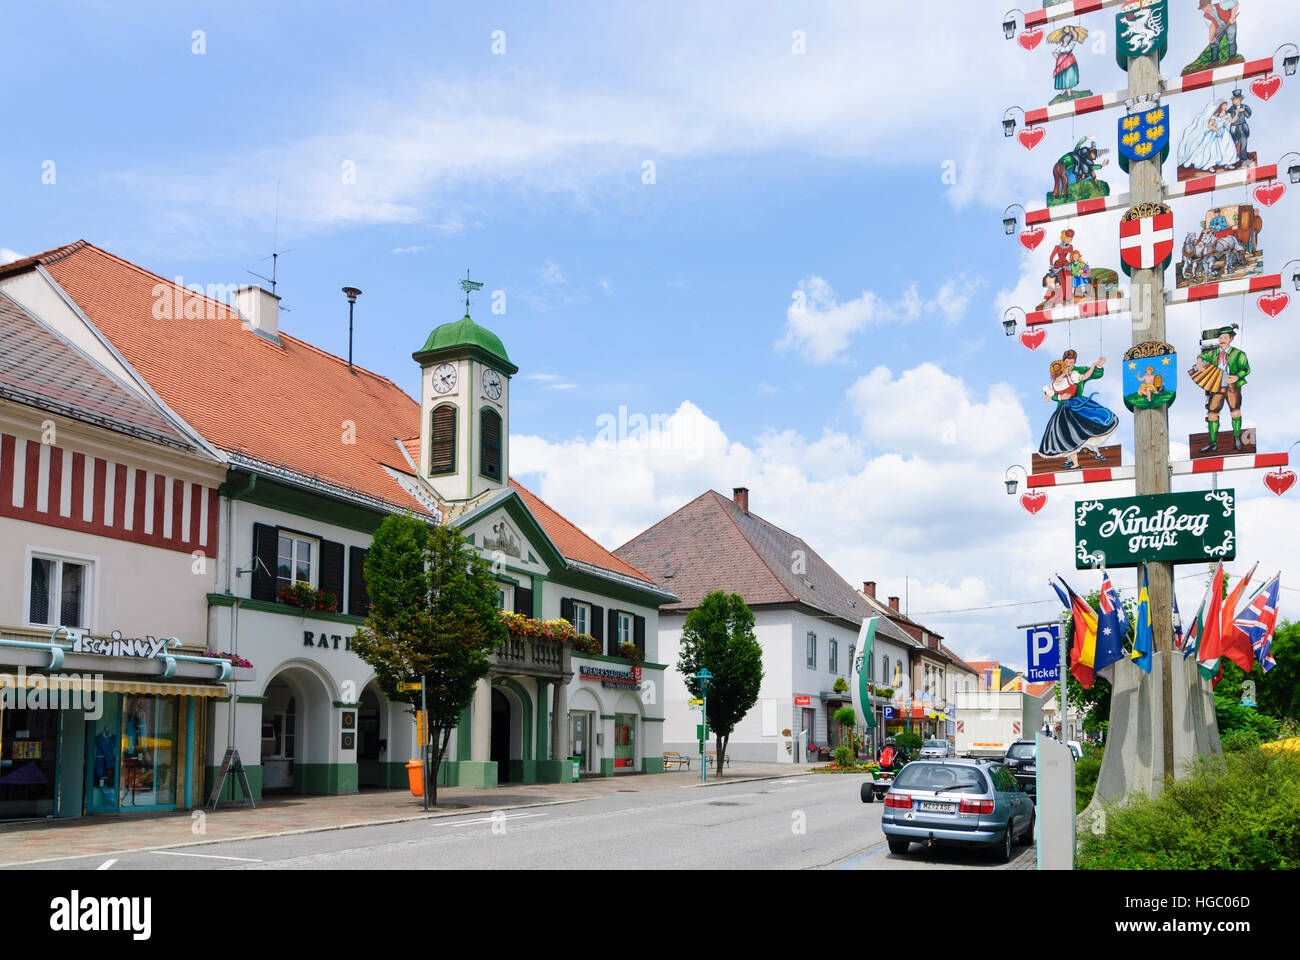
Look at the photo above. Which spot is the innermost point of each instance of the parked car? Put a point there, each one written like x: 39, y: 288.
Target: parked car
x: 1076, y: 748
x: 1022, y: 761
x: 936, y: 749
x: 971, y: 803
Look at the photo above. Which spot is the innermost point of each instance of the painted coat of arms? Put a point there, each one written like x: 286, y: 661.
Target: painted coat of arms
x: 1142, y: 27
x: 1150, y: 375
x: 1144, y: 134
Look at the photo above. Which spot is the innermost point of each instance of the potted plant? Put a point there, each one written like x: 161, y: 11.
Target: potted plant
x: 585, y: 643
x: 630, y: 651
x: 302, y: 595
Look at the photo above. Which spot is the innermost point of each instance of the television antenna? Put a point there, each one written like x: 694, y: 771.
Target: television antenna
x: 276, y: 252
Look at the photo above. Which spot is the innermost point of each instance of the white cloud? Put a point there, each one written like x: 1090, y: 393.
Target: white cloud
x: 9, y: 256
x: 416, y: 249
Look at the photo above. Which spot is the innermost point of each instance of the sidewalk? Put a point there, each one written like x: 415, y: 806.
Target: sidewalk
x: 280, y: 815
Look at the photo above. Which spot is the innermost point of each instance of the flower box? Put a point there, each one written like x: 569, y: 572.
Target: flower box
x: 553, y: 631
x: 301, y: 595
x: 630, y: 651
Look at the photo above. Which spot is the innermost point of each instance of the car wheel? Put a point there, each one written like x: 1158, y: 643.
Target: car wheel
x: 1028, y: 835
x: 899, y: 846
x: 1002, y: 852
x: 868, y: 793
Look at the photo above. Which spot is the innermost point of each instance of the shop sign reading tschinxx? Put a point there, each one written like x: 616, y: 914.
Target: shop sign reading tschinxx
x: 1159, y: 528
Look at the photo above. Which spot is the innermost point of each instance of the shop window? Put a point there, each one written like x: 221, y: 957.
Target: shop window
x: 295, y: 562
x: 59, y: 593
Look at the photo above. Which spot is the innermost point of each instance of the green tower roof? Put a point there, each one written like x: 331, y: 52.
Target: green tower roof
x: 464, y: 336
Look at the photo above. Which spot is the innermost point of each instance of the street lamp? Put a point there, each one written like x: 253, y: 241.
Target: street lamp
x: 1009, y: 23
x: 351, y: 293
x: 1011, y: 481
x: 1009, y: 321
x: 704, y: 676
x: 1293, y: 171
x: 1009, y: 221
x: 1295, y: 277
x: 1291, y: 60
x: 1009, y: 123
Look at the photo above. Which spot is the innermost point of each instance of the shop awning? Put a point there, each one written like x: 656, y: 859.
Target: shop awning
x: 160, y: 688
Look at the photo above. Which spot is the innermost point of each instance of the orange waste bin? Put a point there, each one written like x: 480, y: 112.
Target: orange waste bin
x: 415, y: 771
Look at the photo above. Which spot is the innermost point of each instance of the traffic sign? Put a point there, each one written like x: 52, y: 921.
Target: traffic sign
x: 1044, y: 655
x: 409, y: 686
x: 889, y: 713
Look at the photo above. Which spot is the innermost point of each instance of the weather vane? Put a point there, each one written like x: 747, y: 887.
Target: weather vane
x: 469, y: 286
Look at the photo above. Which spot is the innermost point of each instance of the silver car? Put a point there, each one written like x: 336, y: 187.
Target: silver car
x: 936, y: 750
x: 972, y: 803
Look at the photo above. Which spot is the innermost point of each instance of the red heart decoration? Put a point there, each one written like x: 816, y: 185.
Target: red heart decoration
x: 1031, y: 237
x: 1029, y: 39
x: 1270, y: 193
x: 1033, y: 501
x: 1265, y: 87
x: 1030, y: 136
x: 1273, y: 303
x: 1033, y: 339
x: 1279, y: 481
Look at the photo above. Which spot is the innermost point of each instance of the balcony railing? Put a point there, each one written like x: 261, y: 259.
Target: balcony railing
x: 536, y: 657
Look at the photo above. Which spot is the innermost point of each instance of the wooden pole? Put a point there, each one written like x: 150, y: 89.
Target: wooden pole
x: 1151, y: 427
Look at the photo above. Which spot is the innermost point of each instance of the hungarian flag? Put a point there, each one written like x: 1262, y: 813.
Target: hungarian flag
x: 1083, y: 648
x: 1112, y: 630
x: 1143, y: 639
x: 1233, y: 643
x: 1208, y: 644
x: 1259, y: 620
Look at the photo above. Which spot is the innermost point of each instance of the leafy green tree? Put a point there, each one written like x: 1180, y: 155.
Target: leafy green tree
x: 1277, y: 693
x: 433, y: 616
x: 719, y: 636
x: 847, y: 720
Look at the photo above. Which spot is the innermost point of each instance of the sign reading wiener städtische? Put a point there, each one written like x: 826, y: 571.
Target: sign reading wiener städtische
x: 1160, y: 528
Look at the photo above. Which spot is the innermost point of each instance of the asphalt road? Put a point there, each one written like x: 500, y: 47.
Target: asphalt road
x: 810, y: 822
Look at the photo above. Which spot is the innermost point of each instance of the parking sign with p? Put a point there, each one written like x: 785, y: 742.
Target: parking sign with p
x: 1044, y: 657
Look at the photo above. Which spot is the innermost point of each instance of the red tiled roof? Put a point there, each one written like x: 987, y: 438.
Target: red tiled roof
x: 571, y: 541
x: 1039, y: 689
x: 284, y: 404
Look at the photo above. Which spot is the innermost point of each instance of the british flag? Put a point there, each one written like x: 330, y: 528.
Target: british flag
x: 1258, y: 620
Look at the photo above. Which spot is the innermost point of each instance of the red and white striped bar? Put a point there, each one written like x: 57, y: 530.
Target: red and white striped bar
x: 1064, y: 11
x: 1075, y: 108
x: 1222, y: 181
x: 1228, y: 288
x: 1208, y: 78
x: 1265, y: 173
x: 1179, y: 468
x: 1079, y: 311
x: 1081, y: 208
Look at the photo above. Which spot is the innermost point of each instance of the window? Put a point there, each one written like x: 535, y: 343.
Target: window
x: 812, y: 649
x: 581, y: 615
x: 442, y: 440
x: 625, y: 628
x: 490, y: 444
x: 505, y: 596
x: 295, y: 562
x: 59, y: 595
x: 835, y: 656
x: 884, y: 669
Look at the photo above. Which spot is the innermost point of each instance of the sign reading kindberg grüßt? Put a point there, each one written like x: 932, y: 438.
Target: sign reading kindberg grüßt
x: 1159, y: 528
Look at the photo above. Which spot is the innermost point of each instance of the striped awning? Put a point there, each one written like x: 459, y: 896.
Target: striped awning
x: 161, y: 688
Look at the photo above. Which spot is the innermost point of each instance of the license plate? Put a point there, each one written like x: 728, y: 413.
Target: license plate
x: 929, y: 806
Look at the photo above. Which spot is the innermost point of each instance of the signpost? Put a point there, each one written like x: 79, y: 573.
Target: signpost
x: 704, y: 676
x: 1043, y: 656
x: 1164, y: 528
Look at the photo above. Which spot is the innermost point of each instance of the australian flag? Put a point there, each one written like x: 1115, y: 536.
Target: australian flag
x: 1258, y: 620
x: 1112, y: 629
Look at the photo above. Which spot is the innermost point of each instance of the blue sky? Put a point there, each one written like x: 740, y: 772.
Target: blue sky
x: 877, y: 425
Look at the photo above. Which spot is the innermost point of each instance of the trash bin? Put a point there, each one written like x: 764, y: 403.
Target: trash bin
x: 415, y: 773
x: 577, y: 764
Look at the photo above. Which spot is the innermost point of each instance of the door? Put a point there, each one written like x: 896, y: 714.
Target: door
x: 28, y: 761
x: 501, y: 735
x: 624, y: 740
x: 808, y: 726
x: 579, y: 734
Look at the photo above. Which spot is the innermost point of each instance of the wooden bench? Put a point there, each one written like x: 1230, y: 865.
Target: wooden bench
x: 672, y: 756
x: 711, y: 756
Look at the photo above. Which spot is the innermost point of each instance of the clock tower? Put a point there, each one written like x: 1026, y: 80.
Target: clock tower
x: 464, y: 408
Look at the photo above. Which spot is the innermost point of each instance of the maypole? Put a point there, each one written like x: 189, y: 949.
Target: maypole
x: 1162, y: 720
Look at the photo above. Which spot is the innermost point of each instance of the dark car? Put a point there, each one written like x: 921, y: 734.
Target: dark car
x: 972, y: 803
x: 1022, y: 761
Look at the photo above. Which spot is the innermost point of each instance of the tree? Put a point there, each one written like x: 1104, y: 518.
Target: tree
x: 433, y: 617
x: 719, y: 636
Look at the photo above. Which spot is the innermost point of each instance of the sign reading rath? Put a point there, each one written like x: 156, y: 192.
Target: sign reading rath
x: 1158, y: 528
x: 1044, y: 655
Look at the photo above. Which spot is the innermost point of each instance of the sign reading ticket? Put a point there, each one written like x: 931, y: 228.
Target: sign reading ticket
x: 1160, y: 528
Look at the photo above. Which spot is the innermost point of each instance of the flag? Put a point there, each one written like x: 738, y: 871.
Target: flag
x: 1208, y: 644
x: 1233, y: 643
x: 1196, y: 630
x: 1143, y: 641
x: 1112, y: 630
x: 1178, y: 626
x: 1083, y: 649
x: 1259, y: 619
x: 862, y: 689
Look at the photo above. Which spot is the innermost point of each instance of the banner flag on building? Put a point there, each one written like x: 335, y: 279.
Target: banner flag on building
x: 1083, y: 646
x: 862, y: 660
x: 1143, y: 640
x: 1259, y: 620
x: 1112, y: 630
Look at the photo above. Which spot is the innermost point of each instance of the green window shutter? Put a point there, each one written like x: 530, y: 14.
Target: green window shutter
x: 612, y: 648
x: 490, y: 444
x: 358, y: 597
x: 331, y: 570
x: 597, y: 626
x: 442, y: 439
x: 566, y: 609
x: 638, y: 634
x: 266, y: 542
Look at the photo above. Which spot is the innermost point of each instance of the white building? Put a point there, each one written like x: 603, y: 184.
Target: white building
x: 806, y: 617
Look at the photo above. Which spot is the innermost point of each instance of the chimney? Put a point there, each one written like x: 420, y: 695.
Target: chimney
x: 741, y: 496
x: 869, y: 588
x: 893, y: 604
x: 261, y: 312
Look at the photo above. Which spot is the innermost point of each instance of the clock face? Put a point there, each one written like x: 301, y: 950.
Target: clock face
x: 444, y: 378
x: 492, y: 383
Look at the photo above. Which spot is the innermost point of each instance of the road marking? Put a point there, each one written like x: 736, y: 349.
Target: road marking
x: 509, y: 816
x: 106, y: 864
x: 205, y: 856
x: 854, y: 863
